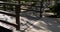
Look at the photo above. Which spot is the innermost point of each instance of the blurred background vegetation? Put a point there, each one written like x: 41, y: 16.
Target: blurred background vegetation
x: 53, y: 5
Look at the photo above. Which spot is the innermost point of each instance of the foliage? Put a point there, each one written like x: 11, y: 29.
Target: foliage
x: 26, y: 0
x: 56, y: 9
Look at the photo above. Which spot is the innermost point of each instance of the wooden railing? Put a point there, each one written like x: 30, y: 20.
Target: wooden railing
x: 17, y: 11
x: 16, y: 14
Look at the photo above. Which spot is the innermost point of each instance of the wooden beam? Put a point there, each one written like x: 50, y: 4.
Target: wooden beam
x: 8, y: 3
x: 41, y: 8
x: 6, y: 22
x: 7, y: 13
x: 17, y: 11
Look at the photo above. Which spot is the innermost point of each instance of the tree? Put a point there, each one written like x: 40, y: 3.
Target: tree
x: 56, y: 9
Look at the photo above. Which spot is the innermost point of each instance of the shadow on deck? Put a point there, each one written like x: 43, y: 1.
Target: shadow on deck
x: 2, y: 29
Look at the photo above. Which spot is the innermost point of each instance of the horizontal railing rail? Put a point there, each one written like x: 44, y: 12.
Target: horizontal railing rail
x: 8, y: 3
x: 7, y: 13
x: 6, y: 22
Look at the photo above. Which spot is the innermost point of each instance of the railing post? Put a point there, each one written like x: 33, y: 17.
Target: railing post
x: 41, y: 8
x: 17, y: 11
x: 18, y: 15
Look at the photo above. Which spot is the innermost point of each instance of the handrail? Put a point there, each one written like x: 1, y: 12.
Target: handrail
x: 8, y: 3
x: 6, y: 22
x: 7, y: 13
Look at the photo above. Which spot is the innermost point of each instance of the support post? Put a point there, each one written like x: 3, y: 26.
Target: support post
x: 41, y: 3
x: 17, y: 17
x: 17, y: 11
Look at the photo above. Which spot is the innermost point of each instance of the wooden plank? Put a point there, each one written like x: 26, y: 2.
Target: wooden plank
x: 8, y: 3
x: 17, y: 11
x: 7, y: 13
x: 6, y: 22
x: 29, y: 5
